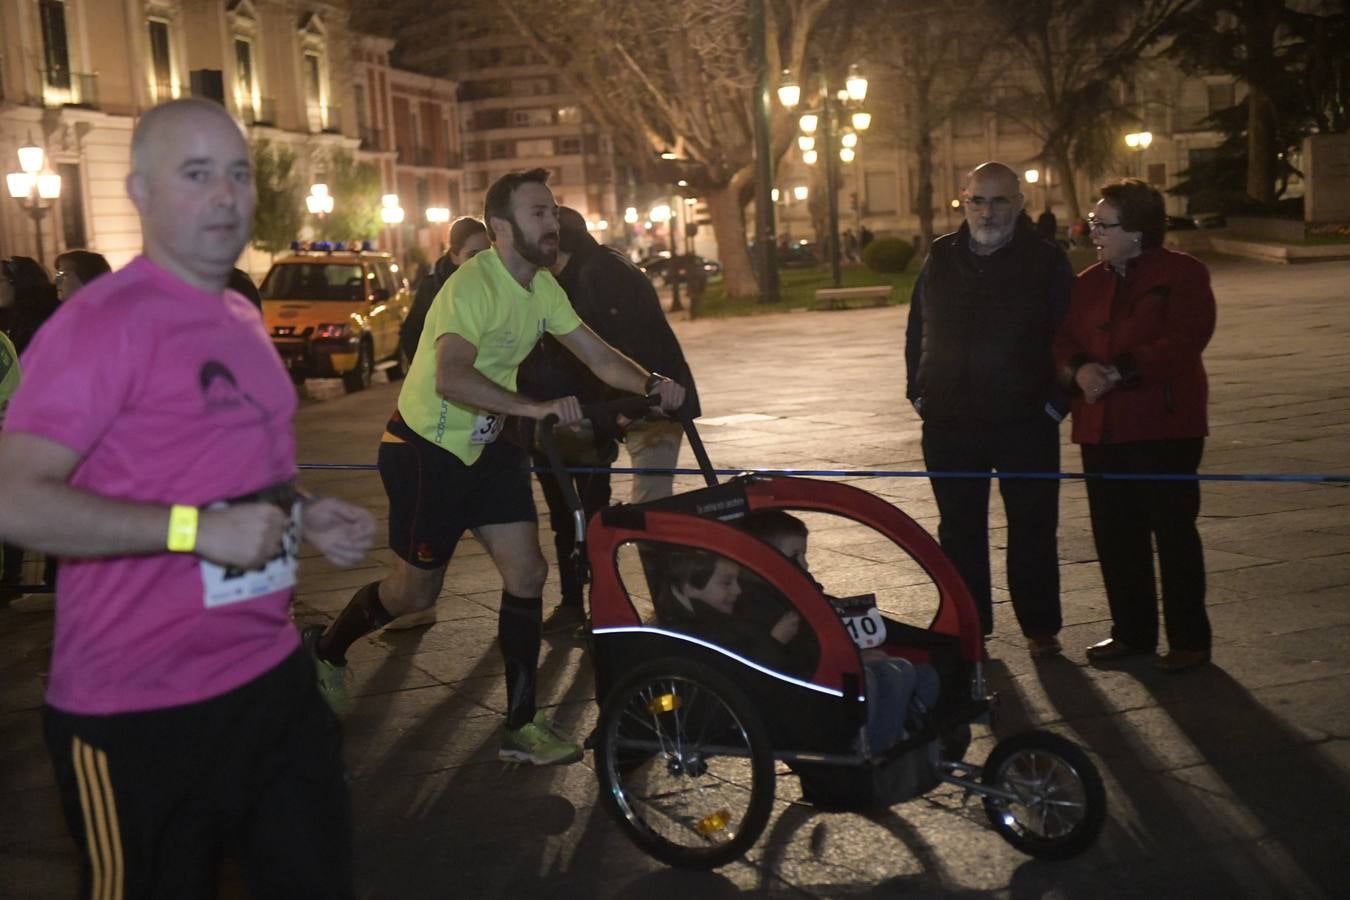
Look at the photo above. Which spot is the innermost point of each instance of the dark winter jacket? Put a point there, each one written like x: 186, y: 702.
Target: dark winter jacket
x: 428, y: 286
x: 977, y: 349
x: 618, y: 302
x: 1152, y: 323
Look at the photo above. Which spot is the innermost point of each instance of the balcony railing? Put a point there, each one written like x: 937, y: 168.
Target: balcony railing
x: 264, y: 112
x: 371, y: 138
x: 61, y: 87
x: 323, y: 118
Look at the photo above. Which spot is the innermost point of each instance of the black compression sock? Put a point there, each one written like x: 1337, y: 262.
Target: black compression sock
x: 519, y: 626
x: 363, y: 614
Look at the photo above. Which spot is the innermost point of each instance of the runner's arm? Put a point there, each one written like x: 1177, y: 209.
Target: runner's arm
x: 459, y: 382
x: 43, y: 512
x: 615, y: 369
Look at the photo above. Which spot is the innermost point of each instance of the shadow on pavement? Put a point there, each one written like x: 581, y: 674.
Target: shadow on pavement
x: 1276, y: 773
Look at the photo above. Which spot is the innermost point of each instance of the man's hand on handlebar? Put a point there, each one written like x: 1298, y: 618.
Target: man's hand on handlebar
x: 671, y: 394
x: 567, y: 409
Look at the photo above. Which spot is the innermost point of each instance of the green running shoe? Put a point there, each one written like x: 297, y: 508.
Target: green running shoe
x: 538, y: 744
x: 335, y: 682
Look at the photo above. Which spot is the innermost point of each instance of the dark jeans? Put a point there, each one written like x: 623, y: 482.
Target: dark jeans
x: 594, y: 492
x: 1031, y: 504
x: 1127, y: 517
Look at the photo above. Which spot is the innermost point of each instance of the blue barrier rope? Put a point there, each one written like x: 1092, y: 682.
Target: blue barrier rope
x: 1287, y: 478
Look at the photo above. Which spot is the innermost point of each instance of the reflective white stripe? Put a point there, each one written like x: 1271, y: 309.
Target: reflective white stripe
x: 646, y: 629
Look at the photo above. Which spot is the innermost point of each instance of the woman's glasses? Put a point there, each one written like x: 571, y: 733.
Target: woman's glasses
x: 1098, y: 225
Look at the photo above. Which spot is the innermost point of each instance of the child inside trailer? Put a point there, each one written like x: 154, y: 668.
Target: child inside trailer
x: 900, y: 693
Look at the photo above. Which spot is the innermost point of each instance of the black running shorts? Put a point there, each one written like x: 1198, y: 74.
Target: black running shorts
x: 434, y: 497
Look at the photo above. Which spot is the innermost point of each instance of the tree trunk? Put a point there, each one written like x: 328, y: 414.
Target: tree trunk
x: 1260, y: 146
x: 728, y: 223
x: 1059, y: 158
x: 924, y: 198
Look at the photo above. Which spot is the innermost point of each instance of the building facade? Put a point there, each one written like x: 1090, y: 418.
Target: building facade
x: 76, y: 74
x: 516, y: 113
x: 879, y: 188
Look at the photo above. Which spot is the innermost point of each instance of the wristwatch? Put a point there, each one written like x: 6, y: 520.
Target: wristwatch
x: 653, y: 382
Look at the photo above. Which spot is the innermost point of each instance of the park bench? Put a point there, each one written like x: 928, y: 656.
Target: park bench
x: 853, y: 297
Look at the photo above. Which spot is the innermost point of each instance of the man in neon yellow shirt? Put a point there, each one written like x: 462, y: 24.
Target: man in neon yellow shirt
x: 9, y: 373
x: 445, y: 471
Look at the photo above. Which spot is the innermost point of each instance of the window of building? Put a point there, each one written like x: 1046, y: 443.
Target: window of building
x: 475, y: 181
x: 320, y: 115
x: 485, y: 119
x: 536, y: 147
x: 569, y: 146
x: 569, y: 115
x: 532, y: 87
x: 423, y: 196
x: 162, y: 85
x: 1219, y: 96
x: 245, y: 85
x: 313, y: 80
x: 362, y: 117
x: 55, y: 49
x: 881, y: 193
x: 532, y: 117
x: 72, y: 206
x: 499, y: 150
x: 1157, y: 174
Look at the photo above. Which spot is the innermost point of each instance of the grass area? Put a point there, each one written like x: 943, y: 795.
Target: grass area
x: 797, y: 289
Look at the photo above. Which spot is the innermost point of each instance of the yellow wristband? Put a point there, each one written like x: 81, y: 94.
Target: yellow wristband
x: 182, y: 529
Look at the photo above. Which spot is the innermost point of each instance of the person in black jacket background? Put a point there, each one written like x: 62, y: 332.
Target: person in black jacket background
x: 468, y: 237
x: 618, y: 302
x: 980, y: 373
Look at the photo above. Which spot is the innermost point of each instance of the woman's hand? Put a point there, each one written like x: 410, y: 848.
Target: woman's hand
x: 1095, y: 380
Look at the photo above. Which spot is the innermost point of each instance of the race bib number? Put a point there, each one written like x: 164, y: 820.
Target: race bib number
x: 862, y: 620
x: 223, y: 585
x: 486, y: 428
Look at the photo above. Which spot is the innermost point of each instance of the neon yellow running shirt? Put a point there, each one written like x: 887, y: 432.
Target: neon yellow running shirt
x: 487, y: 307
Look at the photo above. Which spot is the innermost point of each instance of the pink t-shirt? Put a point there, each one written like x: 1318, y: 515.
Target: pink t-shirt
x: 170, y: 395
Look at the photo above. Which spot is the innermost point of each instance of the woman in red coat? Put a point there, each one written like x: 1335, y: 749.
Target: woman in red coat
x: 1129, y: 351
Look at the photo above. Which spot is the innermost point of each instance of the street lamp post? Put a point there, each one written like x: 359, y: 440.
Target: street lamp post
x: 319, y: 202
x: 35, y: 189
x: 827, y: 117
x: 1140, y: 141
x: 764, y: 229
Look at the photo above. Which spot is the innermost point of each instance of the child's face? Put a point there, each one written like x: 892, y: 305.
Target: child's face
x: 722, y: 589
x: 794, y: 548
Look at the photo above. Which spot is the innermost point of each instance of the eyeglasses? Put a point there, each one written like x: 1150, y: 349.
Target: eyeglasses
x: 1099, y: 225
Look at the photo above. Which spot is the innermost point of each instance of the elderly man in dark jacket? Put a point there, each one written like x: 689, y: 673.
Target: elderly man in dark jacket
x: 981, y: 375
x: 618, y: 302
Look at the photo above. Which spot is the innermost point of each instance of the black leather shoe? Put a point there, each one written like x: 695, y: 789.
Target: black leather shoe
x: 1174, y: 661
x: 1109, y: 649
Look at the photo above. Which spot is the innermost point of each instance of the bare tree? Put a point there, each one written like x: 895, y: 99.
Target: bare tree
x: 932, y: 62
x: 678, y: 77
x: 1074, y: 58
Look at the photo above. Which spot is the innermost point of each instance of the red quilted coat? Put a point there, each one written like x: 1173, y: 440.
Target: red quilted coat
x: 1152, y: 323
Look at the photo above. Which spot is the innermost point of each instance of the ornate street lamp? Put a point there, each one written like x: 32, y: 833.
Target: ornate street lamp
x: 35, y: 189
x: 319, y: 202
x: 1140, y: 141
x: 390, y: 211
x: 828, y: 117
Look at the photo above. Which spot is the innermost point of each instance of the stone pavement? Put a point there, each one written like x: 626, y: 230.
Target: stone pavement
x: 1232, y: 781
